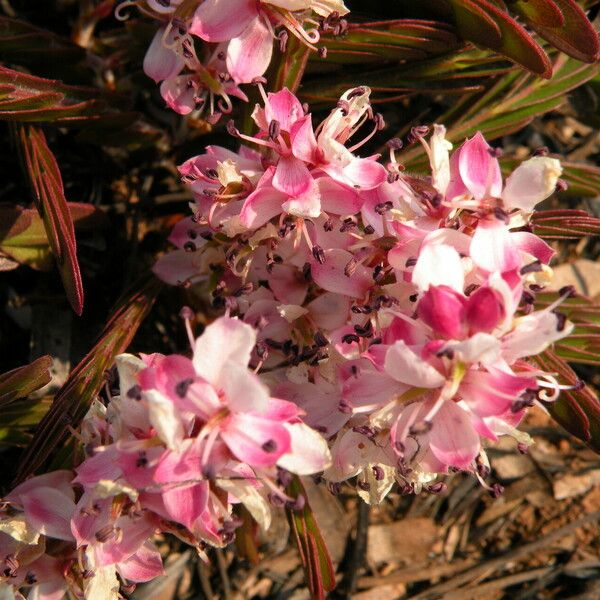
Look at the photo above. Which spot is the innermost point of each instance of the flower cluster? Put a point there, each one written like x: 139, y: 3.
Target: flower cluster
x: 238, y: 38
x: 183, y: 443
x: 396, y: 311
x: 376, y: 332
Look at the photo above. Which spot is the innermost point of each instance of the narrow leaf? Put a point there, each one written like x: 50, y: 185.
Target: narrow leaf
x: 318, y: 568
x: 51, y: 203
x: 22, y: 381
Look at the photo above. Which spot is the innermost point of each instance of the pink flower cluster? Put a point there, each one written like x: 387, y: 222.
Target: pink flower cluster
x: 183, y: 443
x: 238, y: 38
x: 377, y: 329
x: 397, y: 312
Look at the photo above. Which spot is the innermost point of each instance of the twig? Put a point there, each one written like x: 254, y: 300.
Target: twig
x: 205, y: 579
x: 222, y: 566
x: 439, y: 591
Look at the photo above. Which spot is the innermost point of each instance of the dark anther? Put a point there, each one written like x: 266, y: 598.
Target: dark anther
x: 269, y: 446
x: 369, y: 229
x: 411, y: 262
x: 470, y: 289
x: 135, y: 392
x: 437, y: 488
x: 378, y: 472
x: 562, y: 185
x: 395, y: 144
x: 561, y: 320
x: 189, y: 247
x: 182, y: 387
x: 350, y: 267
x: 501, y: 215
x: 274, y: 129
x: 344, y: 407
x: 320, y: 339
x: 306, y: 273
x: 568, y: 291
x: 383, y: 207
x: 532, y: 267
x: 349, y: 338
x: 141, y: 460
x: 232, y: 129
x: 497, y: 490
x: 318, y: 254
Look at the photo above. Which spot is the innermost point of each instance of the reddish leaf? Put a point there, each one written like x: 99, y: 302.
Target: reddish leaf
x: 578, y: 410
x: 51, y: 203
x: 318, y: 568
x: 539, y: 12
x: 35, y: 99
x: 21, y: 382
x: 507, y: 37
x: 577, y: 37
x: 74, y: 398
x: 564, y: 224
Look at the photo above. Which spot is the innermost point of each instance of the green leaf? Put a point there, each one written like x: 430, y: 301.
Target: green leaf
x: 583, y: 345
x: 577, y: 410
x: 46, y: 181
x: 22, y: 381
x: 318, y: 568
x: 19, y: 418
x: 511, y: 102
x: 23, y: 235
x: 74, y: 398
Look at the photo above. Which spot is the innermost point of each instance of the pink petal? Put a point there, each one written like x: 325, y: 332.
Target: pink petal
x: 492, y: 247
x: 485, y: 310
x: 405, y: 366
x: 144, y: 565
x: 161, y: 62
x: 244, y: 390
x: 292, y: 176
x: 261, y: 206
x: 49, y: 511
x: 59, y: 480
x: 329, y: 311
x: 284, y: 108
x: 254, y: 440
x: 307, y: 204
x: 331, y: 277
x: 452, y: 439
x: 99, y: 466
x: 338, y: 199
x: 443, y: 309
x: 222, y: 20
x: 249, y: 55
x: 480, y: 171
x: 178, y: 267
x: 534, y: 245
x: 438, y: 264
x: 304, y: 143
x: 370, y: 390
x: 134, y: 535
x: 364, y: 173
x: 309, y: 452
x: 178, y: 94
x: 211, y: 355
x: 186, y: 503
x: 287, y: 286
